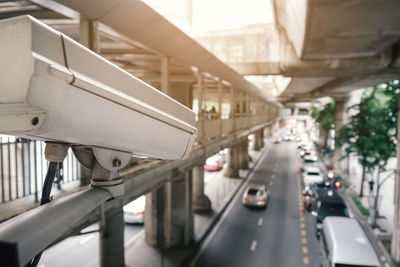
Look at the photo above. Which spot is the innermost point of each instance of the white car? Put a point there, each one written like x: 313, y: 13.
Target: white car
x: 312, y: 175
x: 256, y: 195
x: 310, y: 158
x: 134, y: 211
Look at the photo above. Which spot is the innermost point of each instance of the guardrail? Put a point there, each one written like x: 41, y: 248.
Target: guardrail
x: 23, y: 168
x: 212, y: 129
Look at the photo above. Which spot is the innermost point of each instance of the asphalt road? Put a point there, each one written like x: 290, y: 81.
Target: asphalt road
x: 280, y: 236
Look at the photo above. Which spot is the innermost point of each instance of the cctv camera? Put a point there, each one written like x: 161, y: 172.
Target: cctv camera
x: 54, y: 89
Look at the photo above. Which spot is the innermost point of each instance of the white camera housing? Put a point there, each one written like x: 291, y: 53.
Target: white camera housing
x: 54, y: 89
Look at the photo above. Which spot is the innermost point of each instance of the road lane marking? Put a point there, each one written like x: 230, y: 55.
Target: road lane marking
x: 302, y: 225
x: 306, y: 260
x: 305, y: 250
x: 134, y: 238
x: 228, y: 209
x: 303, y: 232
x: 253, y: 245
x: 304, y: 241
x: 260, y: 221
x: 271, y: 183
x: 301, y: 218
x: 273, y: 176
x: 86, y: 239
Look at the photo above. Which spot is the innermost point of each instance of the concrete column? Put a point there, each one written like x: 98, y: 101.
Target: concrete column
x: 243, y: 154
x: 89, y: 34
x: 154, y: 217
x: 340, y: 104
x: 258, y: 140
x: 233, y: 162
x: 395, y: 248
x: 112, y: 240
x: 169, y: 214
x: 219, y: 97
x: 261, y: 138
x: 201, y: 203
x: 165, y: 74
x: 232, y: 102
x: 182, y: 92
x: 200, y: 96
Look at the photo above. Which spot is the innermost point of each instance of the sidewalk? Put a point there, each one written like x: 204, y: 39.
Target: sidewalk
x: 220, y: 190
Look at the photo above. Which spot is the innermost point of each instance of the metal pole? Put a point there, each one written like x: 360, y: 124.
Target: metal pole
x: 9, y: 168
x: 2, y: 172
x: 35, y: 168
x: 16, y: 168
x: 23, y: 169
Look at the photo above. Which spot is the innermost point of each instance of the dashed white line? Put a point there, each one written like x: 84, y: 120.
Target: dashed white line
x: 273, y: 176
x: 226, y: 212
x: 253, y: 245
x: 260, y: 221
x: 271, y: 183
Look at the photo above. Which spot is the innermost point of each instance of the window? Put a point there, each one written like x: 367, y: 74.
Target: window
x: 255, y: 192
x: 351, y: 265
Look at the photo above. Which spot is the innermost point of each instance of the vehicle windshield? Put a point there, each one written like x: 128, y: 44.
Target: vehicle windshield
x: 332, y: 210
x: 255, y: 192
x: 352, y: 265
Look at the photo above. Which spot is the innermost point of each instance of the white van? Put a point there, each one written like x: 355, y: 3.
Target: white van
x: 344, y: 244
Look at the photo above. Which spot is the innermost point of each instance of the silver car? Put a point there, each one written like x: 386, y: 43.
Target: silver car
x: 256, y: 195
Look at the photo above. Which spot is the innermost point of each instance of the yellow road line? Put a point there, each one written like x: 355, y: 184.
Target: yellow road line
x: 305, y: 250
x: 304, y: 241
x: 302, y: 225
x: 303, y: 232
x: 306, y: 260
x: 301, y: 218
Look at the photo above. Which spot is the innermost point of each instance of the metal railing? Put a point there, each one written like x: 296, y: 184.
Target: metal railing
x: 23, y: 168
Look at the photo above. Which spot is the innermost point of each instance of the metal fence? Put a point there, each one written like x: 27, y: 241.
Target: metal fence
x: 23, y: 168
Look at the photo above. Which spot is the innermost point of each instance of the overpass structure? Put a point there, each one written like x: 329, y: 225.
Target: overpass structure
x: 319, y: 48
x: 314, y: 48
x: 141, y: 43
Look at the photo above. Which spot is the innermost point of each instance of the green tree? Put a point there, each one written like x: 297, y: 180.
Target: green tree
x: 371, y: 131
x: 325, y: 117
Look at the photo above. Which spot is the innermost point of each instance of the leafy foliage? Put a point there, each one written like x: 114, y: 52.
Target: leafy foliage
x: 325, y: 117
x: 371, y: 132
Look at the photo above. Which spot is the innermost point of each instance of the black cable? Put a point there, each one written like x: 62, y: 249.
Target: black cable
x: 48, y: 183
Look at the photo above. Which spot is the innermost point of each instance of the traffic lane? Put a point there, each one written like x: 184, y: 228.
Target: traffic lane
x: 312, y: 249
x: 280, y: 238
x: 230, y: 245
x: 83, y: 250
x: 249, y: 237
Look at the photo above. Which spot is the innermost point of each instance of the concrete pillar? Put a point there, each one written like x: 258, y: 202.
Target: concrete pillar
x: 169, y: 214
x: 258, y: 140
x: 201, y: 203
x: 395, y: 248
x: 340, y: 104
x: 112, y: 240
x: 165, y: 75
x: 243, y: 156
x: 232, y: 102
x: 89, y: 34
x: 182, y: 92
x: 219, y: 97
x: 232, y: 169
